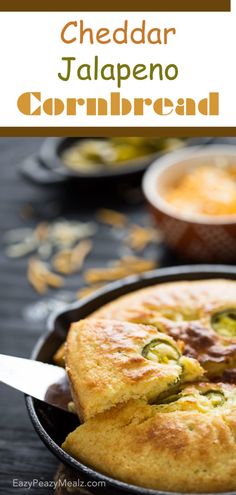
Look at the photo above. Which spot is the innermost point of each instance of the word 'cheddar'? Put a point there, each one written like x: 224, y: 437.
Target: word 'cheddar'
x: 77, y: 32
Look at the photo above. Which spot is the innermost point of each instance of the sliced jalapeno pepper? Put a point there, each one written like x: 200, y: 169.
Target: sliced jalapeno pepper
x: 216, y: 397
x: 178, y: 315
x: 161, y: 351
x: 171, y: 399
x: 224, y: 322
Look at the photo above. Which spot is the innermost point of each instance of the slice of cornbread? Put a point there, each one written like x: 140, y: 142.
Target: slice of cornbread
x: 109, y: 362
x: 184, y: 444
x: 201, y: 313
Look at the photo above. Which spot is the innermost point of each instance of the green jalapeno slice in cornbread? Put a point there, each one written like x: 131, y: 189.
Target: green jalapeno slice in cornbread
x: 110, y: 361
x: 161, y: 351
x: 216, y: 397
x: 224, y: 322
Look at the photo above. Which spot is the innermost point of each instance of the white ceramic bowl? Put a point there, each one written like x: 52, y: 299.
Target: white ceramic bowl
x: 199, y: 237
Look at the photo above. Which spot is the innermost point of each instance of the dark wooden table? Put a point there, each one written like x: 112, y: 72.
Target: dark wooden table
x: 23, y: 456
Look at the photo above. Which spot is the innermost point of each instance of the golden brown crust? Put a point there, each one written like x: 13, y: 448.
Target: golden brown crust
x: 106, y: 364
x: 59, y: 356
x: 187, y: 441
x: 184, y: 311
x: 188, y: 448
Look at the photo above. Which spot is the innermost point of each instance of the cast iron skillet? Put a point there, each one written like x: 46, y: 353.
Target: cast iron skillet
x: 47, y: 167
x: 53, y: 425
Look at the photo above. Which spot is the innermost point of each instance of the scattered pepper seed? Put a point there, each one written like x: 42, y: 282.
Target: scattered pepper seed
x: 139, y: 237
x: 86, y: 291
x: 118, y: 269
x: 41, y: 278
x: 65, y: 245
x: 70, y: 261
x: 112, y: 217
x: 41, y: 231
x: 20, y: 249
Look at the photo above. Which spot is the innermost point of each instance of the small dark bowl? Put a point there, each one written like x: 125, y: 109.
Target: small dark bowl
x: 52, y: 424
x: 48, y: 168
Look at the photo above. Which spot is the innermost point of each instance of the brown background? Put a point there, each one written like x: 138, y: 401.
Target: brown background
x: 118, y: 131
x: 120, y: 5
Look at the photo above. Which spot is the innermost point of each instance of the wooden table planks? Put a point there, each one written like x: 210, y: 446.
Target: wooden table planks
x: 22, y: 455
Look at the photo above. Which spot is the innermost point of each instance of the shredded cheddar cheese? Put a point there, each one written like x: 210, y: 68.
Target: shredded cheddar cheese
x: 205, y: 190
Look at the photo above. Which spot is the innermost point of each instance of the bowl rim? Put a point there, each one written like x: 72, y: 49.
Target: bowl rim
x: 176, y: 273
x: 49, y: 154
x: 173, y: 159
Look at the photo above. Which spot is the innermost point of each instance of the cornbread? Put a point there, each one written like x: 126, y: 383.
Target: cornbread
x: 128, y: 365
x: 205, y: 190
x: 184, y: 444
x: 109, y: 362
x: 200, y: 313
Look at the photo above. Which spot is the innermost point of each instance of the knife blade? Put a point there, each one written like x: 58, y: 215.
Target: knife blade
x: 42, y: 381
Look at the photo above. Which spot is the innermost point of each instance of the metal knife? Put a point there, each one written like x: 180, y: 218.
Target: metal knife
x: 42, y: 381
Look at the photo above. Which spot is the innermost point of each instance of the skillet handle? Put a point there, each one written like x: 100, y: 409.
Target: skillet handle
x: 35, y: 171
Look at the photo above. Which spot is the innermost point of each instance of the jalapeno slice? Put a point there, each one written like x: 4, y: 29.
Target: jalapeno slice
x: 171, y: 399
x: 216, y: 397
x: 179, y: 315
x: 161, y: 351
x: 224, y: 322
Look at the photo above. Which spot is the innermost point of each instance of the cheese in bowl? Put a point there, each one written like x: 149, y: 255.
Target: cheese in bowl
x: 205, y: 190
x: 192, y: 196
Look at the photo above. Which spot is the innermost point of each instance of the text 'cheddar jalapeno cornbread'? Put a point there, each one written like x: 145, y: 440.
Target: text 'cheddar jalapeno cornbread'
x: 153, y: 378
